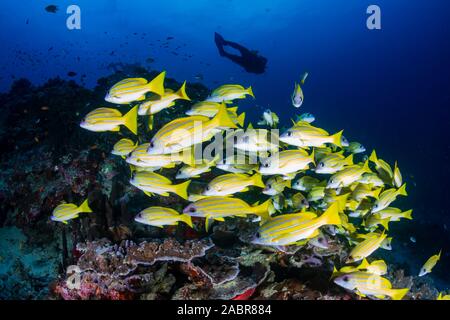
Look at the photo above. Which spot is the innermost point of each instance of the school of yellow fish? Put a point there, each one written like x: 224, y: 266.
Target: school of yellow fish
x: 313, y: 187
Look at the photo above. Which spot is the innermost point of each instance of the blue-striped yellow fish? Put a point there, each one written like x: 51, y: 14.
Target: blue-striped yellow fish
x: 333, y: 163
x: 232, y: 183
x: 288, y: 229
x: 68, y: 211
x: 210, y: 109
x: 151, y: 182
x: 218, y: 208
x: 366, y: 247
x: 397, y: 176
x: 382, y: 167
x: 348, y: 175
x: 107, y: 119
x: 355, y: 148
x: 394, y: 214
x: 189, y: 171
x: 287, y: 163
x: 306, y: 183
x: 256, y: 140
x: 183, y: 133
x: 429, y: 265
x: 155, y: 105
x: 371, y: 285
x: 123, y: 147
x: 276, y: 185
x: 140, y: 158
x: 229, y: 92
x: 387, y: 197
x: 161, y: 216
x: 135, y: 89
x: 305, y: 135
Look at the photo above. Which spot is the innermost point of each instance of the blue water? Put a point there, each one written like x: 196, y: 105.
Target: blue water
x: 388, y: 88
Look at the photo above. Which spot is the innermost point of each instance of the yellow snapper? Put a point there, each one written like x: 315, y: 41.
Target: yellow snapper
x: 210, y: 109
x: 316, y: 194
x: 397, y: 176
x: 256, y: 140
x: 183, y: 133
x: 107, y: 119
x: 161, y: 216
x: 135, y: 89
x: 369, y: 284
x: 229, y: 92
x: 188, y: 171
x: 123, y: 147
x: 237, y: 164
x: 371, y: 178
x: 218, y: 208
x: 383, y: 168
x: 151, y: 182
x: 155, y: 105
x: 140, y: 157
x: 377, y: 267
x: 276, y: 185
x: 362, y: 191
x: 269, y: 119
x: 347, y: 176
x: 393, y: 214
x: 306, y: 135
x: 429, y: 265
x: 366, y: 247
x: 290, y: 228
x: 231, y: 183
x: 297, y: 201
x: 287, y: 163
x: 297, y: 96
x: 387, y: 197
x: 355, y: 147
x: 68, y: 211
x: 306, y: 183
x: 333, y: 163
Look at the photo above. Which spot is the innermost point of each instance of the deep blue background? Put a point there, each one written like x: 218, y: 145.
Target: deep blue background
x: 388, y: 89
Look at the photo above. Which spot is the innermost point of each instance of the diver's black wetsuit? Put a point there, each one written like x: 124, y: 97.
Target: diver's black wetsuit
x: 250, y: 60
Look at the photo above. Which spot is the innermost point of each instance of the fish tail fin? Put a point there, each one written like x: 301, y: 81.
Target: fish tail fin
x: 241, y: 119
x: 376, y: 193
x: 289, y: 184
x: 222, y: 119
x: 385, y: 223
x: 188, y: 220
x: 150, y: 122
x: 373, y: 156
x: 84, y: 207
x: 182, y: 92
x: 312, y: 157
x: 398, y: 294
x: 349, y: 160
x: 408, y: 215
x: 130, y: 120
x: 157, y: 84
x: 250, y: 92
x: 439, y: 254
x: 331, y: 215
x: 181, y: 189
x: 336, y: 138
x: 305, y: 75
x: 366, y: 167
x: 402, y: 190
x: 257, y: 180
x: 263, y: 210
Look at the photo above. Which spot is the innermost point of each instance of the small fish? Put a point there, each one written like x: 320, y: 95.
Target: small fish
x: 383, y: 168
x: 68, y: 211
x: 366, y: 247
x: 297, y: 95
x: 307, y: 183
x: 269, y: 118
x: 319, y: 241
x: 107, y: 119
x: 412, y: 239
x: 51, y: 8
x: 344, y: 142
x: 154, y: 106
x: 362, y: 191
x: 256, y: 140
x: 151, y: 182
x: 305, y: 135
x: 161, y: 216
x: 185, y: 132
x: 369, y: 284
x: 394, y: 214
x: 288, y: 229
x: 397, y: 176
x: 333, y: 163
x: 218, y: 208
x: 348, y: 175
x: 123, y: 147
x: 287, y: 163
x: 135, y: 89
x: 371, y: 179
x: 429, y: 265
x: 387, y: 197
x: 297, y: 201
x: 230, y: 183
x: 187, y: 171
x: 306, y: 117
x: 276, y: 185
x: 237, y: 165
x: 355, y: 148
x: 230, y: 92
x: 210, y: 109
x: 441, y: 296
x: 316, y: 194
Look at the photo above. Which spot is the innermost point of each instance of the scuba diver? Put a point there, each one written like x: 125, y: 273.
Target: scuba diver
x: 249, y: 59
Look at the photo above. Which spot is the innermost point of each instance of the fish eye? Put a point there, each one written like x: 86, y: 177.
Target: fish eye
x: 246, y: 139
x: 321, y: 164
x: 192, y: 209
x: 289, y: 133
x: 207, y: 188
x: 269, y: 186
x: 152, y: 145
x: 258, y: 235
x: 266, y: 165
x: 346, y: 279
